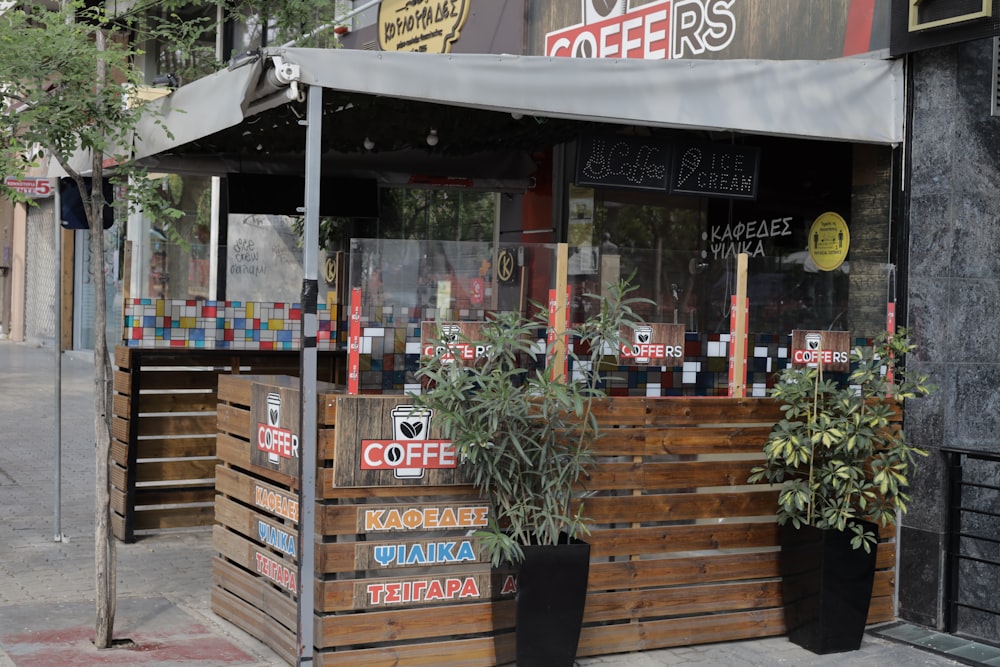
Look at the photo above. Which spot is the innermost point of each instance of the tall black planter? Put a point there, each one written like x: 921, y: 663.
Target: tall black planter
x: 551, y: 593
x: 827, y: 587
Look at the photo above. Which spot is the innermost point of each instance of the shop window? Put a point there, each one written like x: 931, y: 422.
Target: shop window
x: 178, y: 252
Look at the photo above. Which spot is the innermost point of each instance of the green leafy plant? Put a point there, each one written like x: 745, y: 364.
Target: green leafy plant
x: 837, y: 453
x: 525, y: 436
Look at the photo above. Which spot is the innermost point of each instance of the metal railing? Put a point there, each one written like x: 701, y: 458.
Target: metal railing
x: 973, y: 550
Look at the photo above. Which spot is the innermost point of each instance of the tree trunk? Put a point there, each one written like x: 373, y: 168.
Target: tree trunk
x: 105, y: 559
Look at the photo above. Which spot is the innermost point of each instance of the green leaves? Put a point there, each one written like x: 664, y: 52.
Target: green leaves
x: 839, y: 453
x: 524, y: 436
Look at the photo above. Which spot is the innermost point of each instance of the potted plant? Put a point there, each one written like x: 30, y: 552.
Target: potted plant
x: 843, y: 465
x: 524, y: 436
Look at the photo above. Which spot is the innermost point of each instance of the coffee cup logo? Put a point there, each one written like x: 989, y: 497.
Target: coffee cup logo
x: 643, y: 336
x: 409, y: 422
x: 273, y: 419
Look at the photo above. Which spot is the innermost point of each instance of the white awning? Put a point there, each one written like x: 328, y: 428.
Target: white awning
x: 846, y: 99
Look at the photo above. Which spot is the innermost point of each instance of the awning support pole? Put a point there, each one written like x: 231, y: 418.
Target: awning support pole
x: 307, y: 375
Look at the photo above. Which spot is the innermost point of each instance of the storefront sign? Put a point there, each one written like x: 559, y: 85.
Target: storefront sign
x: 716, y: 170
x: 425, y: 553
x: 831, y: 348
x: 657, y: 31
x: 653, y: 345
x: 277, y: 503
x: 429, y: 26
x: 274, y: 440
x: 507, y: 264
x: 390, y: 441
x: 424, y: 590
x: 276, y: 571
x: 387, y: 518
x: 734, y: 238
x: 829, y: 241
x: 627, y: 162
x: 451, y: 341
x: 276, y: 537
x: 32, y: 188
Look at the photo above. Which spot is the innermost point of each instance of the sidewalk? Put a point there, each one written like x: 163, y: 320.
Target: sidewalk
x: 164, y: 617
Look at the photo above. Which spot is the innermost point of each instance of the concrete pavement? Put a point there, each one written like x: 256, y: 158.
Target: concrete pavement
x: 47, y: 606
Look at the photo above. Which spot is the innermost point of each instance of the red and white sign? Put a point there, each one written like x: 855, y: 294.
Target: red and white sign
x: 277, y: 441
x: 829, y: 348
x: 408, y: 454
x: 354, y: 343
x: 422, y: 590
x: 32, y: 188
x: 669, y: 29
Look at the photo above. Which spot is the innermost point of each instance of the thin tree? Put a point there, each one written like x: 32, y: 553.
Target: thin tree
x: 67, y: 89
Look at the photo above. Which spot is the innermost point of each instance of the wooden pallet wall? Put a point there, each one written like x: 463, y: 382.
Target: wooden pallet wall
x: 164, y: 428
x: 683, y: 552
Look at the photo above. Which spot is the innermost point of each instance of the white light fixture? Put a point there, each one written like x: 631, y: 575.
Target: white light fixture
x: 432, y: 138
x: 369, y: 144
x: 516, y: 116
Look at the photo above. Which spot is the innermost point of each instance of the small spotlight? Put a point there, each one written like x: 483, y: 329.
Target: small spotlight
x: 432, y: 138
x: 369, y: 144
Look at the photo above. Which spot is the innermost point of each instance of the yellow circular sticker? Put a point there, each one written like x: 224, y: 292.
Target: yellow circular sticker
x: 829, y: 241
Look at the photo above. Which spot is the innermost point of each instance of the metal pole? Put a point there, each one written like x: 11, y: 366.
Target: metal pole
x: 307, y: 376
x: 57, y: 217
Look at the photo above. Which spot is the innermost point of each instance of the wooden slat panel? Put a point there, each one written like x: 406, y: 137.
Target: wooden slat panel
x: 157, y: 471
x: 711, y: 410
x: 666, y: 539
x: 119, y: 452
x: 123, y: 356
x: 678, y: 506
x: 484, y: 652
x: 234, y: 420
x: 122, y: 382
x: 405, y: 624
x: 681, y: 441
x: 280, y: 606
x: 182, y: 378
x: 686, y: 631
x: 181, y: 495
x: 121, y: 406
x: 237, y: 452
x: 252, y: 620
x: 682, y: 601
x: 120, y: 428
x: 177, y: 425
x: 692, y: 570
x: 170, y: 448
x: 175, y: 517
x: 178, y: 402
x: 661, y: 476
x: 117, y: 476
x: 235, y: 389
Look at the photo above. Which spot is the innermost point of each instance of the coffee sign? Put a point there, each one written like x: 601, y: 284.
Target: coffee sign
x: 274, y: 442
x: 829, y: 348
x: 652, y: 345
x: 428, y: 26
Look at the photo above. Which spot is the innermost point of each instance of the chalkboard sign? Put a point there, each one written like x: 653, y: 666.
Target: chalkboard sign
x: 716, y: 170
x: 624, y: 162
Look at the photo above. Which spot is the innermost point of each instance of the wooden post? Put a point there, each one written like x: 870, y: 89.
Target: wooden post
x: 738, y: 346
x: 558, y: 321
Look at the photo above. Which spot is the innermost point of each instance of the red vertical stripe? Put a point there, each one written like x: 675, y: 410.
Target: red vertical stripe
x: 857, y: 38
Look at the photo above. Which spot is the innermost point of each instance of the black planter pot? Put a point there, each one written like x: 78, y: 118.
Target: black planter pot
x: 827, y: 587
x: 551, y: 593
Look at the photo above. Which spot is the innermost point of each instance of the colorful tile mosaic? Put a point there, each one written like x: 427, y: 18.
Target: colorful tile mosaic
x: 225, y: 325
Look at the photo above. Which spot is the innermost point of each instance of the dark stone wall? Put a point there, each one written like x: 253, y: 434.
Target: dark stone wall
x: 953, y: 302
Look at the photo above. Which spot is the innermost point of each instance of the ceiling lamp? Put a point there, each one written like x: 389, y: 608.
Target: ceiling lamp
x: 432, y: 137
